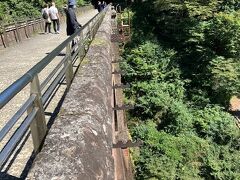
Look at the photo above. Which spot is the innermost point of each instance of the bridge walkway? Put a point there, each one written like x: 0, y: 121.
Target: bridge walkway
x: 17, y: 60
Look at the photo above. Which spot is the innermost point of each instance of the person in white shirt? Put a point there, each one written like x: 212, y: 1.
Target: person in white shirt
x: 53, y: 12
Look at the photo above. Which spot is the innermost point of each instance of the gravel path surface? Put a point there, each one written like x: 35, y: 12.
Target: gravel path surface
x: 17, y: 60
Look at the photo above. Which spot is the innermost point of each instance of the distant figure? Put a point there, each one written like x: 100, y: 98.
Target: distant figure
x: 100, y: 6
x: 53, y: 12
x: 72, y: 3
x: 114, y: 13
x: 71, y: 20
x: 104, y: 4
x: 46, y: 17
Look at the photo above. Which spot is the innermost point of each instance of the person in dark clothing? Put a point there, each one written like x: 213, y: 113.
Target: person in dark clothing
x: 100, y: 6
x: 72, y: 23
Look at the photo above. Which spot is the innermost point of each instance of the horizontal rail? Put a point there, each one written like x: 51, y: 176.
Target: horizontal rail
x: 14, y: 119
x: 42, y: 86
x: 12, y: 27
x: 7, y: 150
x: 51, y: 88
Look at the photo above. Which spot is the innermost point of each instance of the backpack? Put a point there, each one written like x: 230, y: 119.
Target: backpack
x: 45, y: 14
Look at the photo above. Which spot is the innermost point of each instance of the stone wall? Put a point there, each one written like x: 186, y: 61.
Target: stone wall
x: 79, y: 143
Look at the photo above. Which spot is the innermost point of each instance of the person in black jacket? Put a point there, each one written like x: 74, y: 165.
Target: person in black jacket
x: 72, y: 23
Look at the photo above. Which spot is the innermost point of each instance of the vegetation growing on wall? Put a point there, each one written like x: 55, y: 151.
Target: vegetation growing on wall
x: 183, y: 70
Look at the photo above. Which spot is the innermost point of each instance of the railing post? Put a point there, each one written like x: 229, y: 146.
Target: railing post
x: 68, y: 65
x: 6, y: 43
x: 92, y: 30
x: 39, y: 25
x: 18, y: 33
x: 34, y: 25
x: 89, y: 31
x: 27, y: 29
x: 99, y: 20
x: 95, y: 27
x: 38, y: 126
x: 42, y: 24
x: 81, y: 46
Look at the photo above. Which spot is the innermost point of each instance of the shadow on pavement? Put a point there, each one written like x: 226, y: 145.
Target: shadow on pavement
x: 60, y: 54
x: 5, y: 176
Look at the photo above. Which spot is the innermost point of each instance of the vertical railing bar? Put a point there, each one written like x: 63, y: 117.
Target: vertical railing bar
x: 34, y: 24
x: 42, y: 24
x: 6, y: 43
x: 68, y: 64
x: 81, y: 46
x: 89, y: 31
x: 18, y: 33
x: 38, y: 126
x: 27, y: 29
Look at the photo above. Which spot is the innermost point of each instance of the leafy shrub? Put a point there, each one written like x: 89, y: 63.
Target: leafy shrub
x: 224, y: 79
x: 223, y: 34
x: 214, y: 123
x: 176, y: 82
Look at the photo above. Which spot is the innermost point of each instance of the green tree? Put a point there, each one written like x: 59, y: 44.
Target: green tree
x: 176, y: 82
x: 214, y: 123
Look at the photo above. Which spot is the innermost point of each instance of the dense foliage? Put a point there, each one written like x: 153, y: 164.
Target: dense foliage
x: 183, y: 71
x: 11, y: 10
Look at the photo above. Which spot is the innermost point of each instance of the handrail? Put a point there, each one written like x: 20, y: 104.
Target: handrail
x: 21, y: 29
x: 16, y: 137
x: 11, y: 26
x: 40, y: 93
x: 14, y: 119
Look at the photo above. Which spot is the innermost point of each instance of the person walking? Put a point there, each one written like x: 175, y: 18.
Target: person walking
x: 99, y: 6
x: 46, y: 17
x: 72, y: 24
x: 53, y: 12
x: 71, y: 20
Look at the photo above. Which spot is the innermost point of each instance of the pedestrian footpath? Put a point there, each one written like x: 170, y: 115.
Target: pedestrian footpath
x: 16, y: 61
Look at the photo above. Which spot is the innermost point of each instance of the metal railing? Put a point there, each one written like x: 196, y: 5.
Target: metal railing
x: 16, y: 31
x: 40, y: 92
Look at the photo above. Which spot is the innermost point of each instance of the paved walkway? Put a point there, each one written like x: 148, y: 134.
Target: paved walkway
x: 17, y: 60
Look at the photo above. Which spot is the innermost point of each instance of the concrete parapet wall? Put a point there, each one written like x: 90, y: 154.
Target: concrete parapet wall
x: 79, y: 143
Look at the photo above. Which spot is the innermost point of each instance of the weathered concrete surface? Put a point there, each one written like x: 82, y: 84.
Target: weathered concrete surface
x: 79, y: 144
